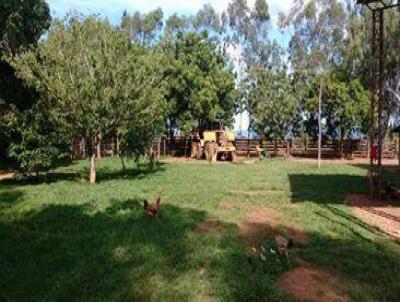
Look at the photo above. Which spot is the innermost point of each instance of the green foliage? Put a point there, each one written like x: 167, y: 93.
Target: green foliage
x: 37, y: 142
x: 142, y: 28
x: 329, y: 43
x: 272, y: 103
x: 147, y: 76
x: 111, y: 85
x: 201, y: 87
x: 21, y: 25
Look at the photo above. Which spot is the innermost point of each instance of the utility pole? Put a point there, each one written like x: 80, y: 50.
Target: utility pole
x: 320, y: 122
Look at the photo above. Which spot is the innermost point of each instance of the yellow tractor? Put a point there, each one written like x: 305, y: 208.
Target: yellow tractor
x: 218, y: 144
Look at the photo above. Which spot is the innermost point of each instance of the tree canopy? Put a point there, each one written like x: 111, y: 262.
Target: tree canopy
x: 155, y: 74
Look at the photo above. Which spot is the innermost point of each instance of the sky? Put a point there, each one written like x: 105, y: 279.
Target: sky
x: 112, y: 9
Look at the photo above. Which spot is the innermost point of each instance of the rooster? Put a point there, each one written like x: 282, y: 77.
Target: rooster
x: 152, y: 209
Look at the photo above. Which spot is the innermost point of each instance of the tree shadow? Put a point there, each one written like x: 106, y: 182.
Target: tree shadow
x: 391, y: 173
x: 348, y: 221
x: 370, y: 269
x: 325, y: 189
x: 139, y: 172
x: 43, y: 178
x: 103, y: 174
x: 9, y: 198
x: 374, y: 261
x: 74, y: 253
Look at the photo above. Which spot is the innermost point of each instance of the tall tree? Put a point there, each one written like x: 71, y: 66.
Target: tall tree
x: 272, y: 103
x: 21, y: 25
x: 107, y: 84
x: 143, y: 28
x: 201, y: 86
x: 325, y: 41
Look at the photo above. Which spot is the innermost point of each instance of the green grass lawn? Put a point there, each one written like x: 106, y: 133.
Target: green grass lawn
x: 64, y: 240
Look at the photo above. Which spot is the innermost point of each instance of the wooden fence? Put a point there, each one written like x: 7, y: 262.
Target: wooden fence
x: 348, y: 148
x: 181, y: 146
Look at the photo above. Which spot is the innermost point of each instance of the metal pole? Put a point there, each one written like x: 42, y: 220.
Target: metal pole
x: 372, y: 105
x: 320, y: 123
x: 380, y: 100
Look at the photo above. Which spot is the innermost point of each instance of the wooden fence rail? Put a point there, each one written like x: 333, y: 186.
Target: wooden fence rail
x: 333, y: 148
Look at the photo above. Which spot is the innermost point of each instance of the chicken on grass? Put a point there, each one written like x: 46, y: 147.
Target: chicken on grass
x: 152, y: 209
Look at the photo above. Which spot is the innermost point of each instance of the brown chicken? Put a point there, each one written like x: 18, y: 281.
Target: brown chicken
x: 153, y: 209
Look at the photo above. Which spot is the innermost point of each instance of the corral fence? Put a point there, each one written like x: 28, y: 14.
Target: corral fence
x: 307, y: 148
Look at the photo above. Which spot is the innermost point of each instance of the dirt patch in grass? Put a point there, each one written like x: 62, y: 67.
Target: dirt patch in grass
x: 226, y: 204
x: 384, y: 215
x: 210, y: 226
x: 262, y: 221
x: 308, y: 283
x: 297, y: 235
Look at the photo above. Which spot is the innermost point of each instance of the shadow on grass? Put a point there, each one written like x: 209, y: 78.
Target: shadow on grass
x: 351, y: 252
x: 391, y: 173
x: 9, y: 198
x: 373, y: 267
x: 325, y: 189
x: 74, y: 253
x: 139, y: 172
x: 69, y: 253
x: 103, y: 174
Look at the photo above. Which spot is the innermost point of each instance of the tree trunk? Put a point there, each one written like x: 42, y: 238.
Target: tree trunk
x: 123, y: 163
x: 95, y: 149
x: 98, y: 147
x: 93, y: 169
x: 342, y: 143
x: 151, y: 157
x: 83, y: 147
x: 320, y: 123
x: 186, y: 146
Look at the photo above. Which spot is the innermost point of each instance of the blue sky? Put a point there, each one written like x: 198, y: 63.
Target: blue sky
x: 112, y: 9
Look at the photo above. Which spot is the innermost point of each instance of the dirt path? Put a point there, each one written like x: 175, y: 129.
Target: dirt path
x: 384, y: 215
x: 355, y: 161
x: 4, y: 175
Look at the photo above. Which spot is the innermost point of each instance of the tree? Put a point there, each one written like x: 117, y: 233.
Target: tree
x: 110, y: 83
x: 272, y: 103
x: 322, y: 47
x: 201, y: 87
x: 21, y: 25
x: 142, y: 28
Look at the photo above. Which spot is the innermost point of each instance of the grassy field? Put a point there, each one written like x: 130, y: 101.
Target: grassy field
x: 64, y: 240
